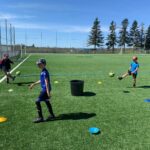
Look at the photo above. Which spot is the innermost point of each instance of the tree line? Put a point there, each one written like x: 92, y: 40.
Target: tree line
x: 135, y: 37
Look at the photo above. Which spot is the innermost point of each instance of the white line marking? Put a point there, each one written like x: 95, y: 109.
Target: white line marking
x: 15, y: 68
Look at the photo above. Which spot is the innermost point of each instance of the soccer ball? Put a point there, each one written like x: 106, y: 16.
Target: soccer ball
x: 18, y: 73
x: 111, y: 74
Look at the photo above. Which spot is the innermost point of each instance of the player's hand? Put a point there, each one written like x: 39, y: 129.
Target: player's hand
x: 49, y: 95
x: 31, y: 86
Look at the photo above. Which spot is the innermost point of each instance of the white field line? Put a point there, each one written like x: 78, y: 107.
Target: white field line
x: 1, y: 80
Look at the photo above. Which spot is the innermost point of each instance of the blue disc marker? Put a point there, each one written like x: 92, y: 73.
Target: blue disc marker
x: 94, y: 130
x: 147, y: 100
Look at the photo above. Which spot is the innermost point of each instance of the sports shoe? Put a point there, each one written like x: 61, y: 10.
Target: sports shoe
x: 14, y: 77
x: 134, y: 85
x: 7, y: 81
x: 38, y: 120
x: 51, y: 118
x: 120, y: 78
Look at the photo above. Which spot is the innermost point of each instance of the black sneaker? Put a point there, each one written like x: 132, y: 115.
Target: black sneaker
x: 14, y: 77
x: 51, y: 118
x: 134, y: 85
x: 120, y: 78
x: 38, y: 120
x: 7, y: 81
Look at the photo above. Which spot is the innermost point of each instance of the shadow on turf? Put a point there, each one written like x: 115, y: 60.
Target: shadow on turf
x: 23, y: 83
x: 89, y: 94
x: 126, y: 91
x: 142, y: 87
x: 75, y: 116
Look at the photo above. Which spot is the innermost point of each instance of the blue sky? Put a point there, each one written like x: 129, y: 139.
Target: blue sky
x: 70, y: 19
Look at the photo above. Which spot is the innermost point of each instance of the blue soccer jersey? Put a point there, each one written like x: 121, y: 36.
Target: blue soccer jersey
x: 45, y: 75
x: 134, y: 66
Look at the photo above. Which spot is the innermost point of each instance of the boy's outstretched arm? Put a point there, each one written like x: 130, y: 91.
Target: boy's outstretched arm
x: 32, y: 85
x: 47, y: 87
x: 135, y: 70
x: 11, y: 61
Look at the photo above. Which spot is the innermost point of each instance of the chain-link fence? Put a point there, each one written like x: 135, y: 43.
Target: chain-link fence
x: 10, y: 50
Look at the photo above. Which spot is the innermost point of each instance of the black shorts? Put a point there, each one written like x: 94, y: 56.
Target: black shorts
x: 5, y: 69
x: 134, y: 75
x: 43, y: 97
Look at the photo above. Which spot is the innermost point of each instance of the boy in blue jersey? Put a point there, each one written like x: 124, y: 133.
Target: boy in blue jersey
x: 133, y: 70
x: 45, y: 92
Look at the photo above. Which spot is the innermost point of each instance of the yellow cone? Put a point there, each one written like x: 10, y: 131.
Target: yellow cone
x: 99, y: 82
x: 3, y: 119
x: 10, y: 90
x: 56, y: 82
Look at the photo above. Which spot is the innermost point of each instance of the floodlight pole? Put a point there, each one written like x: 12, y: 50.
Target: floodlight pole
x: 25, y: 43
x: 0, y: 37
x: 41, y: 39
x: 6, y: 35
x: 21, y: 50
x: 11, y: 36
x: 14, y: 36
x: 56, y: 39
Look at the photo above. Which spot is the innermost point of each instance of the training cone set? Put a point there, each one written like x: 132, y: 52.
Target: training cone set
x: 18, y: 73
x: 147, y: 100
x: 56, y: 82
x: 10, y: 90
x: 74, y: 75
x: 111, y: 74
x: 3, y: 119
x: 99, y: 82
x: 94, y: 130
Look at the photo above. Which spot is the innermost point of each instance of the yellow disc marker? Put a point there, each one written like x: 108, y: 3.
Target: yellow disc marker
x: 99, y: 82
x: 56, y: 82
x: 3, y: 119
x: 10, y: 90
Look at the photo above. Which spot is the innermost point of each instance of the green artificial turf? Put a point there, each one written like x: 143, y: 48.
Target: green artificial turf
x: 117, y: 109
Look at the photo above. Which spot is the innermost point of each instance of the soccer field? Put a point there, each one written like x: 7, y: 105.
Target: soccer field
x: 117, y: 109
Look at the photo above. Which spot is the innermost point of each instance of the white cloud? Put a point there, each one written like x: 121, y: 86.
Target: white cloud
x: 7, y: 16
x: 59, y: 28
x: 72, y: 28
x: 14, y: 16
x: 62, y: 7
x: 105, y: 29
x: 43, y: 6
x: 24, y: 5
x: 30, y: 26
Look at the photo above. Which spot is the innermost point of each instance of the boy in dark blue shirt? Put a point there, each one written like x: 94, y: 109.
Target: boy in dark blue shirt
x: 133, y: 70
x: 45, y: 92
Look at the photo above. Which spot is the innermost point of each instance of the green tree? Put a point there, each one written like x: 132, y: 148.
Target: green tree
x: 96, y: 38
x: 147, y: 40
x: 123, y: 34
x: 142, y: 36
x: 112, y: 39
x: 134, y: 35
x: 33, y: 46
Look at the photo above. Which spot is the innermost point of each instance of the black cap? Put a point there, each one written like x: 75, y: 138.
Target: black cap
x: 41, y: 61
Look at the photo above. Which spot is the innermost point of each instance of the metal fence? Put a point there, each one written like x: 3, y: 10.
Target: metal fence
x: 10, y: 50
